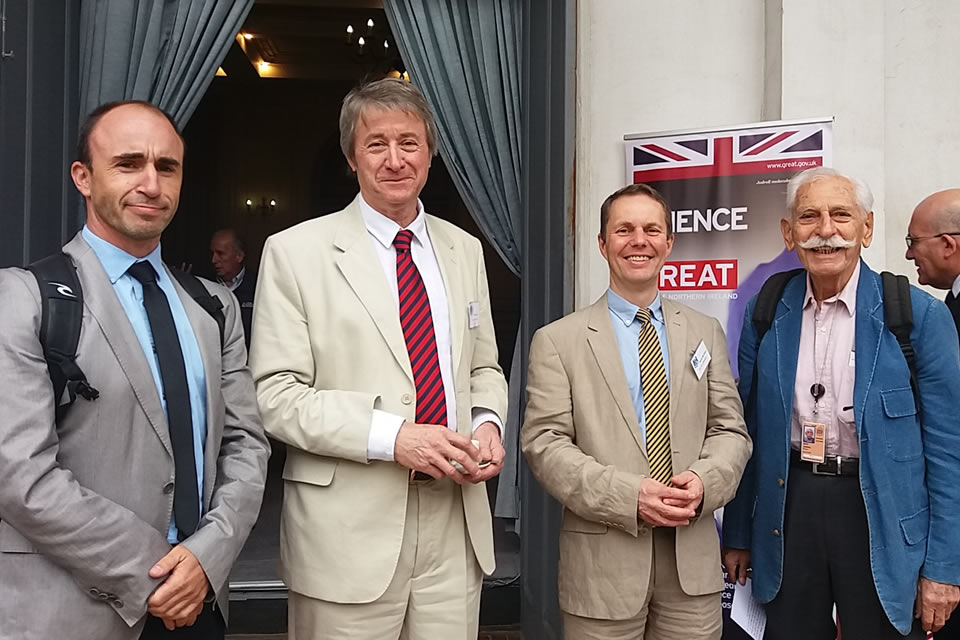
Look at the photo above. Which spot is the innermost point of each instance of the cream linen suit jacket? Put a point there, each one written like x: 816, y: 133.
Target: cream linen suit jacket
x: 327, y: 350
x: 85, y: 504
x: 582, y: 440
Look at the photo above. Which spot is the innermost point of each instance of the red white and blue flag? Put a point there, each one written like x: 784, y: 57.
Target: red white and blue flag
x: 771, y: 149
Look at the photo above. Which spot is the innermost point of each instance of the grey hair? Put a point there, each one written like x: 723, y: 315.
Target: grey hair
x: 387, y: 94
x: 863, y: 193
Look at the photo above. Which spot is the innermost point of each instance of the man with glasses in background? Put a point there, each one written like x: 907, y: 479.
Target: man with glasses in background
x: 933, y: 243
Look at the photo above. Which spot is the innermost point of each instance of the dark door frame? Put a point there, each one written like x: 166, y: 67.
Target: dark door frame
x: 549, y: 91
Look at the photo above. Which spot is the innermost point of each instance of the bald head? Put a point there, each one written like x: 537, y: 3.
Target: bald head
x: 934, y: 234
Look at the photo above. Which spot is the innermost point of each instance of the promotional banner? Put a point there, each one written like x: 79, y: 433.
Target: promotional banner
x: 727, y: 192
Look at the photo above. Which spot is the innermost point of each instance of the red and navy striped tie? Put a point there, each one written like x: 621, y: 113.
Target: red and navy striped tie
x: 417, y: 324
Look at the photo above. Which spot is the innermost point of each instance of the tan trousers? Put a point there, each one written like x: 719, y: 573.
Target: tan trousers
x: 435, y: 591
x: 668, y: 613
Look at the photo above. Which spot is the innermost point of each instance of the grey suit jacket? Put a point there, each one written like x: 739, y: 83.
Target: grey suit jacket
x: 85, y: 504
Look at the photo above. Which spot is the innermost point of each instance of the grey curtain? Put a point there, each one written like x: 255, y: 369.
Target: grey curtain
x: 464, y: 56
x: 163, y: 51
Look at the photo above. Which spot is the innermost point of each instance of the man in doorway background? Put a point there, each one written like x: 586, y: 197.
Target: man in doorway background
x: 375, y: 362
x: 633, y: 423
x: 228, y: 255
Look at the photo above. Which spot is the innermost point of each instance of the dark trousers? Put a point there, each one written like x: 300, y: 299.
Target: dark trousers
x: 826, y: 561
x: 951, y: 630
x: 209, y: 626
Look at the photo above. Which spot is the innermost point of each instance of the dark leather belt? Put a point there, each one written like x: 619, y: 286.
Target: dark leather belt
x: 831, y: 466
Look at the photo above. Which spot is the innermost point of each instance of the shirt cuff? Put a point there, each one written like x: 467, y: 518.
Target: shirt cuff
x: 481, y: 415
x: 384, y: 428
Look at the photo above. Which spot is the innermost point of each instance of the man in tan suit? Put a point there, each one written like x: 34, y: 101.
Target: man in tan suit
x: 634, y: 424
x: 375, y: 361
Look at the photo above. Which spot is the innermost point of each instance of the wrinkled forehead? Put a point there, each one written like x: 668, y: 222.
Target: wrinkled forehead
x: 377, y: 118
x: 136, y: 129
x: 827, y: 192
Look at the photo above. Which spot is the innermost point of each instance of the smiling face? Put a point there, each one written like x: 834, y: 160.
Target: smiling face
x: 132, y: 184
x: 934, y: 250
x: 635, y: 246
x: 826, y: 212
x: 392, y: 160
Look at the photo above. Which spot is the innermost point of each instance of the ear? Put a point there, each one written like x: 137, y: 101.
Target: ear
x: 868, y: 230
x: 81, y: 177
x: 950, y: 246
x: 787, y: 233
x: 602, y: 245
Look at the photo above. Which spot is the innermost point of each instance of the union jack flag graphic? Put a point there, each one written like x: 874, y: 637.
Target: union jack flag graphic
x: 776, y: 148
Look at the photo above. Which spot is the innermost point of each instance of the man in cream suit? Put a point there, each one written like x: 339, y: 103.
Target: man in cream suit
x: 374, y: 358
x: 634, y: 424
x: 106, y: 530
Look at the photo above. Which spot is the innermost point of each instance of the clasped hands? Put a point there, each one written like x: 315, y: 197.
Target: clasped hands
x: 675, y: 505
x: 430, y: 448
x: 179, y: 600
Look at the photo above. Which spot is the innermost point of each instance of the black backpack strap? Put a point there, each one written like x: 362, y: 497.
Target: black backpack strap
x: 61, y: 319
x: 898, y: 313
x: 765, y: 308
x: 210, y: 303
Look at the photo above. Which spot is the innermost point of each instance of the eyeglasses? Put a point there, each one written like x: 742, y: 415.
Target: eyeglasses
x: 911, y: 239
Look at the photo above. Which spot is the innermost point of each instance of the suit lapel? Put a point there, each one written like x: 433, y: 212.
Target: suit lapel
x: 450, y: 270
x: 603, y: 344
x: 101, y: 301
x: 786, y: 329
x: 676, y: 326
x: 868, y: 330
x: 207, y: 334
x: 359, y: 265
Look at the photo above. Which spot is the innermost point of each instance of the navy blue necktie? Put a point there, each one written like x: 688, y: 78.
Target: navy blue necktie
x: 173, y: 376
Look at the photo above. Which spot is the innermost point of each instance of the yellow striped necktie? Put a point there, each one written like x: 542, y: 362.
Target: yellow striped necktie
x: 656, y: 400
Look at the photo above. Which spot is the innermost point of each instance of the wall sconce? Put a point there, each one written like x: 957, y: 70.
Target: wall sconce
x: 349, y: 34
x: 264, y: 208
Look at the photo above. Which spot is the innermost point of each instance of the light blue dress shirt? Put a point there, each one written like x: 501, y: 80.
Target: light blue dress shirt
x: 626, y: 327
x: 115, y: 262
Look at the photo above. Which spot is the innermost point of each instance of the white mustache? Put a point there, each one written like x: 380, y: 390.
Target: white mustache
x: 833, y: 242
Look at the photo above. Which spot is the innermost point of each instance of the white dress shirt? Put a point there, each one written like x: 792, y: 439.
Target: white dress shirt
x: 955, y: 289
x: 382, y: 230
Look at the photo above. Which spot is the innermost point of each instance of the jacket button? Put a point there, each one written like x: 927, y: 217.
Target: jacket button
x: 117, y: 603
x: 643, y: 531
x: 168, y: 488
x: 776, y: 532
x: 94, y: 592
x: 779, y: 482
x: 406, y: 398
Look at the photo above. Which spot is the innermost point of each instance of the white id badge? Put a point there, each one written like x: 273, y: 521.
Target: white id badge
x: 700, y: 359
x: 473, y: 314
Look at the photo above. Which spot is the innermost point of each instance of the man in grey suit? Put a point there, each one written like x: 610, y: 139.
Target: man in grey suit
x: 121, y: 518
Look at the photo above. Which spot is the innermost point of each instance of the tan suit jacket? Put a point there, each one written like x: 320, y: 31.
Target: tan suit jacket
x: 327, y: 350
x: 582, y: 440
x: 85, y: 504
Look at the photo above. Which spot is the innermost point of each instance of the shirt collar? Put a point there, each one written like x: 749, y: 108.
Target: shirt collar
x: 115, y: 260
x: 956, y: 287
x: 847, y: 295
x: 627, y: 311
x: 385, y: 230
x: 236, y: 280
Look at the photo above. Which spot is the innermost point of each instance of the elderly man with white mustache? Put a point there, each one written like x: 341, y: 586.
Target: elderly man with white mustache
x: 867, y: 517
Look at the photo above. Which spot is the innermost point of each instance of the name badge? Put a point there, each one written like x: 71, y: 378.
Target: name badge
x: 700, y: 359
x: 473, y: 314
x: 812, y: 441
